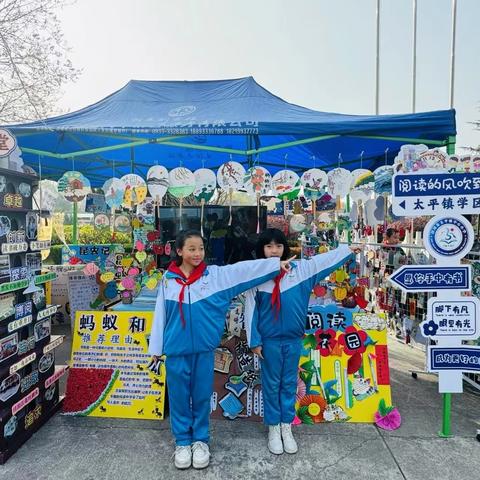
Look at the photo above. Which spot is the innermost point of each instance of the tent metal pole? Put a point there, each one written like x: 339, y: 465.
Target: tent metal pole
x: 290, y: 144
x: 377, y: 60
x: 75, y: 224
x: 445, y: 432
x: 132, y: 160
x: 414, y: 56
x: 439, y: 143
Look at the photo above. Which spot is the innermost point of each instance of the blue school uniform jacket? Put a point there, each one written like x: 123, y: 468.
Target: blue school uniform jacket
x: 205, y: 306
x: 261, y: 320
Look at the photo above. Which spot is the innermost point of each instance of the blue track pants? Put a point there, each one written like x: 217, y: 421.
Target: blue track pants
x: 279, y: 380
x: 190, y: 386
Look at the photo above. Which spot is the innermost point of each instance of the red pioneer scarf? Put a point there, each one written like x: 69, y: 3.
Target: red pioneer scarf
x: 276, y: 303
x: 196, y: 273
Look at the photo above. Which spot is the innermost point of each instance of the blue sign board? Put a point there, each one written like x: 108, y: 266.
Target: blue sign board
x: 464, y: 359
x: 430, y: 278
x: 420, y: 193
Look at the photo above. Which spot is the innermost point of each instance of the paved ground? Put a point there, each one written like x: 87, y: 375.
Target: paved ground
x: 88, y: 448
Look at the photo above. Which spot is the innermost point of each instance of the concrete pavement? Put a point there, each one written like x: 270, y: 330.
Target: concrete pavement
x: 111, y: 449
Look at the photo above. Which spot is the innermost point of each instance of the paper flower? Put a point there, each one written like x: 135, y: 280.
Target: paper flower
x: 90, y: 269
x: 388, y: 418
x: 311, y: 408
x: 325, y: 341
x: 301, y: 389
x: 353, y: 340
x: 128, y: 283
x: 430, y: 328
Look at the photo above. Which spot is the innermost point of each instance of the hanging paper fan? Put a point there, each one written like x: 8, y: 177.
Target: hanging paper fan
x: 286, y: 184
x: 257, y: 181
x: 363, y: 182
x: 339, y: 181
x: 205, y: 184
x: 114, y: 190
x: 182, y: 182
x: 408, y: 156
x: 230, y: 176
x: 135, y: 190
x: 157, y: 182
x: 74, y: 186
x: 314, y: 181
x: 383, y: 179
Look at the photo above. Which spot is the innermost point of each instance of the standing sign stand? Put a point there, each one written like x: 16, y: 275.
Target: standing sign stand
x: 448, y: 237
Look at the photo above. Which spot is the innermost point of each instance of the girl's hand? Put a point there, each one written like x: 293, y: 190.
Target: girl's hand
x: 258, y: 351
x: 285, y: 264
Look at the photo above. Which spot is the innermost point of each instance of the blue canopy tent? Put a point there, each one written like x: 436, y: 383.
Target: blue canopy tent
x: 202, y: 123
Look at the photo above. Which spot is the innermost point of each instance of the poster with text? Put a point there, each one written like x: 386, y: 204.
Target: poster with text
x: 112, y: 374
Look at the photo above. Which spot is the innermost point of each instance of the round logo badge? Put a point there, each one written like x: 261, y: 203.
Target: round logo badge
x: 448, y: 238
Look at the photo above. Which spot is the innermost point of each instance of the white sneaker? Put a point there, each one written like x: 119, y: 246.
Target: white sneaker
x: 183, y: 456
x: 201, y: 455
x: 275, y: 444
x: 289, y: 443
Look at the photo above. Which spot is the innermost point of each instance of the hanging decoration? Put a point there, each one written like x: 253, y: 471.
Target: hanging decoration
x: 258, y: 182
x: 339, y: 181
x: 181, y: 184
x: 114, y: 190
x: 314, y: 182
x: 157, y: 182
x: 135, y: 190
x: 286, y: 184
x: 205, y: 183
x: 74, y: 186
x: 230, y: 177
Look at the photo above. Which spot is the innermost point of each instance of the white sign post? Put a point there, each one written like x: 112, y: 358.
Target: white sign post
x: 448, y: 237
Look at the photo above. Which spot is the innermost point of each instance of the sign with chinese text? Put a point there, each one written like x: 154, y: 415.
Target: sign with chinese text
x: 112, y: 374
x: 417, y: 194
x: 459, y: 317
x: 461, y: 359
x: 88, y: 253
x: 430, y: 278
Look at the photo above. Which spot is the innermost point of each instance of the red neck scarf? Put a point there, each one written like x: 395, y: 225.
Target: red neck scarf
x: 276, y: 303
x: 196, y: 273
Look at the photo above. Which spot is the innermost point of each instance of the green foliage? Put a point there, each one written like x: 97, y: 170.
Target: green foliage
x: 88, y: 234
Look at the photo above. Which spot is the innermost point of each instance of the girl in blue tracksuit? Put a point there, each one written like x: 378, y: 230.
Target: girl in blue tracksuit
x: 275, y: 314
x: 188, y: 323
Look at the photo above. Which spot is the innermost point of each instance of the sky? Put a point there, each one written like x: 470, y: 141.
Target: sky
x: 316, y: 53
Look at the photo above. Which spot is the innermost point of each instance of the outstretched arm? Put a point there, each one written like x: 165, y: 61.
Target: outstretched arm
x: 156, y: 336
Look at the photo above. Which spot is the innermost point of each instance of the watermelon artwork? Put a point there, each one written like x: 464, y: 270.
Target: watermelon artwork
x: 87, y: 388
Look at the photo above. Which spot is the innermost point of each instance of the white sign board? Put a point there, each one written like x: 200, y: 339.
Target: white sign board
x: 457, y: 318
x: 435, y: 193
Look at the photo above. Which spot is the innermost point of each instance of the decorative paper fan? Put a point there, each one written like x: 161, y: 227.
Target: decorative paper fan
x: 114, y: 190
x: 408, y: 157
x: 182, y: 182
x: 157, y: 182
x: 339, y: 181
x: 363, y: 182
x: 286, y: 184
x: 314, y: 181
x: 74, y: 186
x: 258, y: 181
x: 135, y: 190
x: 383, y: 179
x: 230, y: 176
x: 205, y: 184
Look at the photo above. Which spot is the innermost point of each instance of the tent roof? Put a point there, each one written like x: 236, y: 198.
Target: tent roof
x: 203, y: 122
